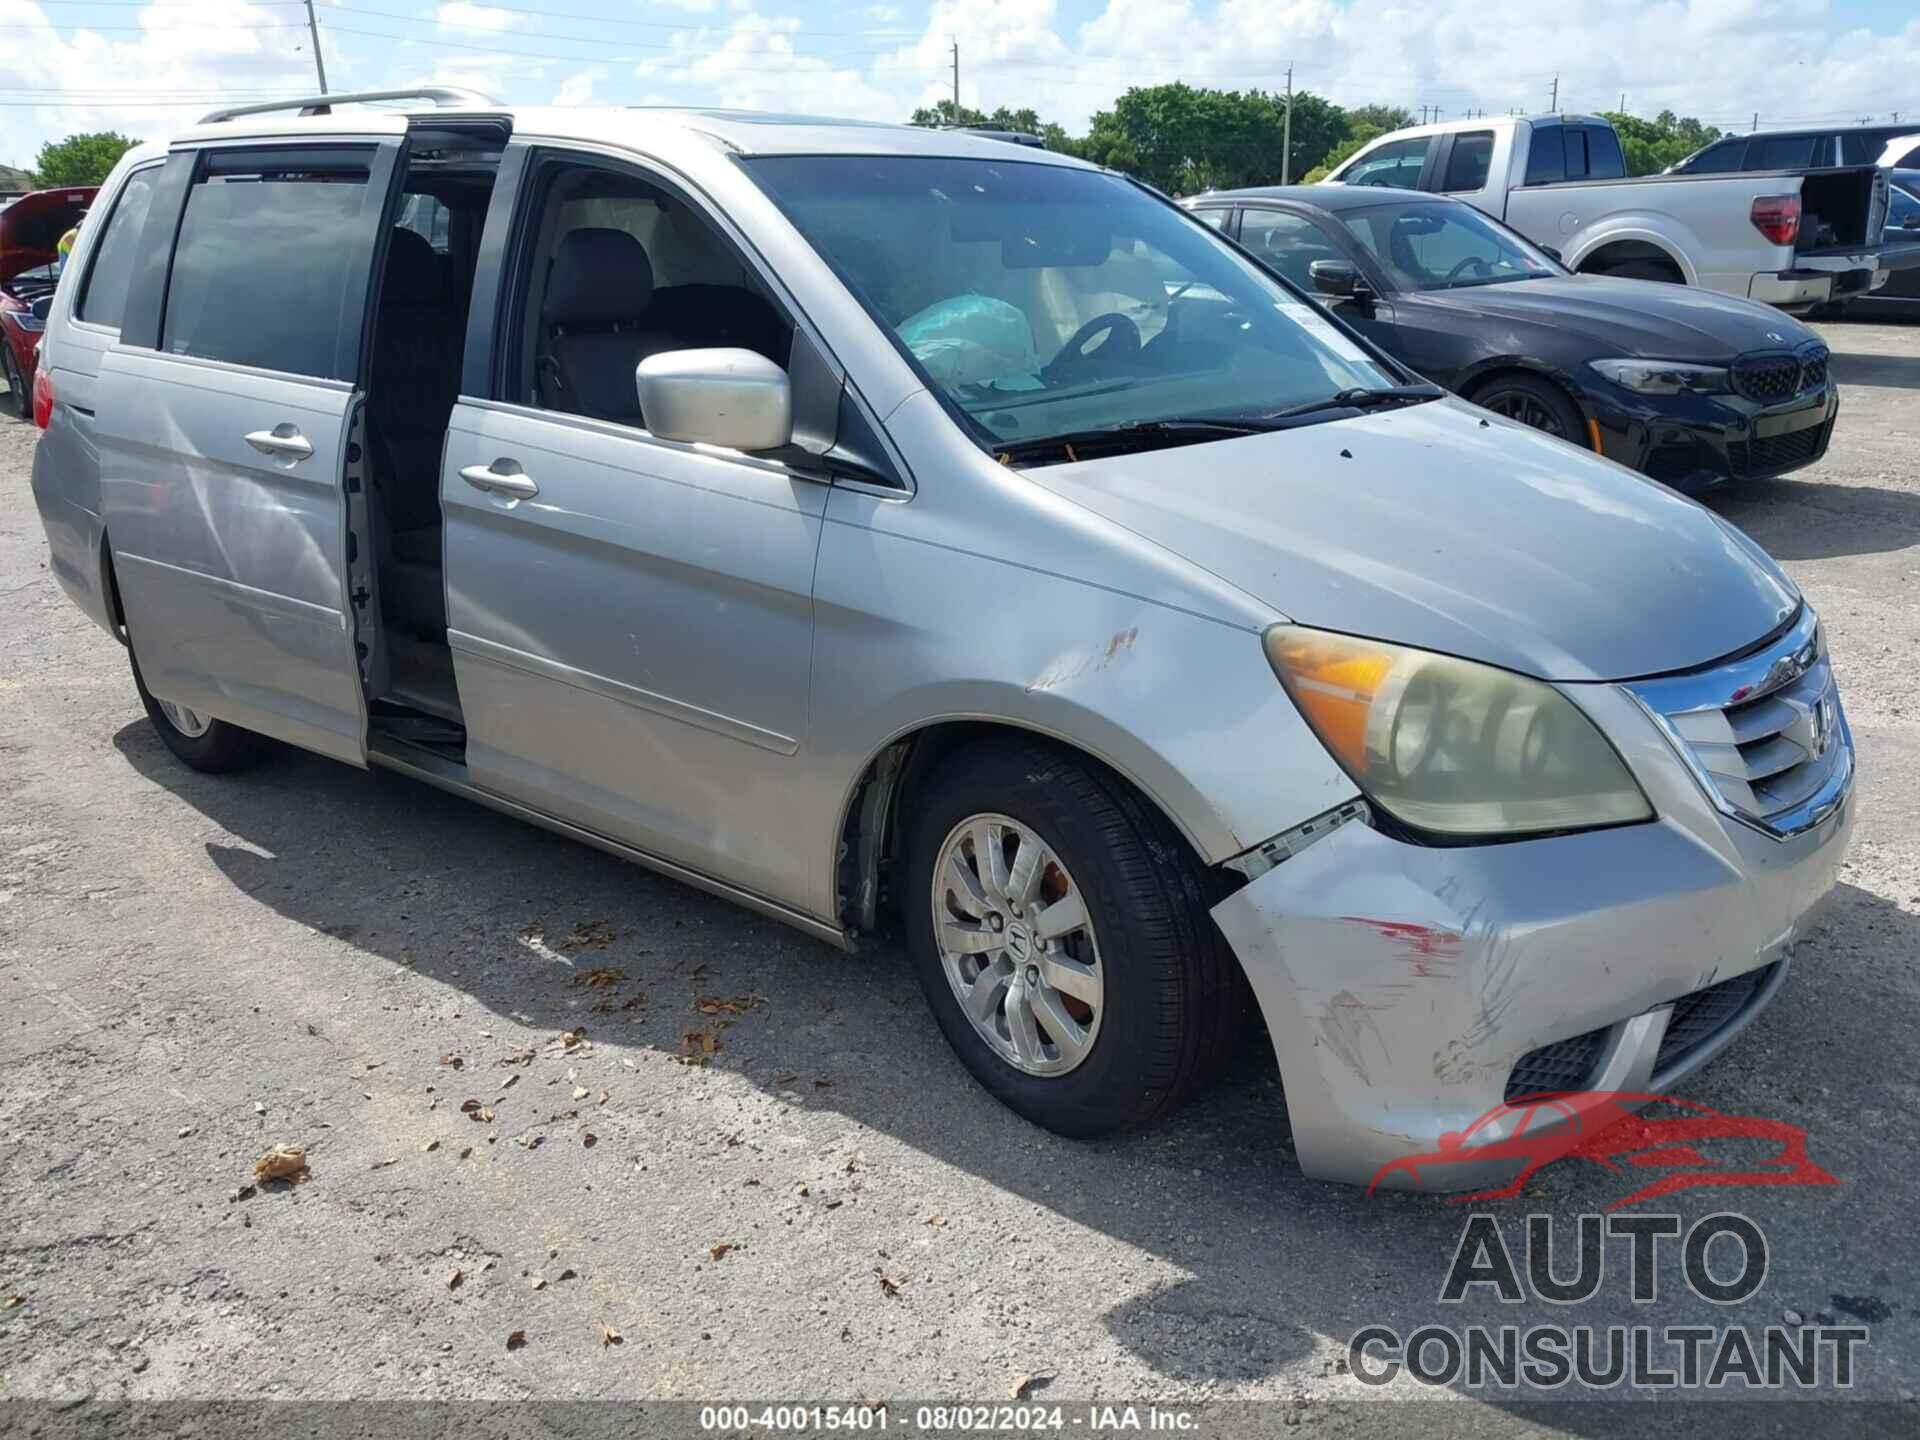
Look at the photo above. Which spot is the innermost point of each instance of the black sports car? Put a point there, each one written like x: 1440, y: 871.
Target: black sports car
x: 1688, y: 386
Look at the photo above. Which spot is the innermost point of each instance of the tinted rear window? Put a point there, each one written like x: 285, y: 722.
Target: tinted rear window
x: 105, y: 295
x: 1781, y: 152
x: 1472, y: 156
x: 1716, y: 159
x: 261, y: 271
x: 1604, y: 160
x: 1547, y: 156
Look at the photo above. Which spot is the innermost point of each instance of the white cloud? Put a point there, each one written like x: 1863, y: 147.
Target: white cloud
x: 580, y: 87
x: 485, y: 19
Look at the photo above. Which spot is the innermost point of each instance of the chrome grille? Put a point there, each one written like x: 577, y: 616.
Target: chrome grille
x: 1765, y: 735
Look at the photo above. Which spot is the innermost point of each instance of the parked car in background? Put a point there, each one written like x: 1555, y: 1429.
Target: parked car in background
x: 1690, y: 388
x: 1792, y: 238
x: 1899, y: 298
x: 30, y: 231
x: 854, y: 521
x: 1890, y: 145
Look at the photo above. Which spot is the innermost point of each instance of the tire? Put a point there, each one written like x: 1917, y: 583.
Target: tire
x: 202, y: 742
x: 1164, y: 1018
x: 1534, y: 402
x: 1659, y: 270
x: 19, y: 402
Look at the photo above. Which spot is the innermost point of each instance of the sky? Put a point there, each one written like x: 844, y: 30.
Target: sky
x: 146, y: 67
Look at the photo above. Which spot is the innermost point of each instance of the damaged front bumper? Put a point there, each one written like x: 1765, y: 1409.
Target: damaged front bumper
x: 1402, y: 984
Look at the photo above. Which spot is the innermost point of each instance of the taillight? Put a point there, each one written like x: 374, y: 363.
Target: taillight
x: 1777, y: 217
x: 42, y: 395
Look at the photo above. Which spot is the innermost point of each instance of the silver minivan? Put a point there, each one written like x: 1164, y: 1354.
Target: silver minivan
x: 900, y: 531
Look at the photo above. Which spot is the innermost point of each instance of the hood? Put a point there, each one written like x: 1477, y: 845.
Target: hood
x: 31, y: 227
x: 1635, y: 318
x: 1443, y: 527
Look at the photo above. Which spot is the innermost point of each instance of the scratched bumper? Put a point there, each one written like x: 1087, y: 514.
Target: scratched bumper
x: 1401, y: 983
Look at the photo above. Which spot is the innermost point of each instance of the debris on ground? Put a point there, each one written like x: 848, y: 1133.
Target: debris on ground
x: 1023, y: 1384
x: 601, y: 977
x: 476, y: 1111
x: 607, y: 1335
x: 454, y: 1278
x: 453, y: 1059
x: 697, y: 1047
x: 516, y: 1339
x: 728, y: 1004
x: 720, y: 1249
x: 587, y: 935
x: 889, y: 1284
x: 524, y: 1056
x: 283, y: 1162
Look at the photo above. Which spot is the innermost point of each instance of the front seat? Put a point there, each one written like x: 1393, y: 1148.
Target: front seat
x: 593, y: 322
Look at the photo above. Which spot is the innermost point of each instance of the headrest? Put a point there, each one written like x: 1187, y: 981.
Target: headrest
x: 414, y: 276
x: 599, y: 278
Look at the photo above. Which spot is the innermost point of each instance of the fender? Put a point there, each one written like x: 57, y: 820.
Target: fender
x: 1664, y: 233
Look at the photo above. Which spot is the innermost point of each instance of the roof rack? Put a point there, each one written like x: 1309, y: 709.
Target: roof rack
x: 441, y: 95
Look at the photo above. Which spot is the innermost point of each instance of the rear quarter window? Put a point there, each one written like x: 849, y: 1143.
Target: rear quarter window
x: 104, y: 296
x: 262, y: 267
x: 1604, y: 160
x: 1472, y: 157
x: 1547, y: 156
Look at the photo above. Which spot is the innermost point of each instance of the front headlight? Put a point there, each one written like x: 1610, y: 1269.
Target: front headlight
x: 1665, y: 377
x: 1450, y: 746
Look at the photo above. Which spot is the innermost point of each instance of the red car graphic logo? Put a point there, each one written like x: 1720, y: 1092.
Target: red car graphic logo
x: 1605, y: 1126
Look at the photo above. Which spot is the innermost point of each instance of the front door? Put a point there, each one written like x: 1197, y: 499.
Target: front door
x: 631, y: 619
x: 223, y: 447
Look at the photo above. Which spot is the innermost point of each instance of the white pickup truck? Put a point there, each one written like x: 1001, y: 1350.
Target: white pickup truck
x: 1793, y: 238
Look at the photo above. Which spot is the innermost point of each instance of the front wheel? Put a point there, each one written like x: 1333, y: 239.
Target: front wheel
x: 1059, y: 929
x: 1535, y: 403
x: 196, y: 738
x: 17, y: 403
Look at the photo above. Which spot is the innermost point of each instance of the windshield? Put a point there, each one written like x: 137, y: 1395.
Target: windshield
x: 1444, y: 245
x: 1042, y: 300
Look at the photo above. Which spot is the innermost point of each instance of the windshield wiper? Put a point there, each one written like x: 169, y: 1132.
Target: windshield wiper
x: 1360, y: 399
x: 1133, y: 435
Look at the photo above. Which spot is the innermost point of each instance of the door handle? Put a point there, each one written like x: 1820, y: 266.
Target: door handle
x: 284, y: 440
x: 499, y: 479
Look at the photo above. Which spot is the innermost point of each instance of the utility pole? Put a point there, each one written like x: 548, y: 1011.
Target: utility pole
x: 1756, y: 120
x: 956, y: 77
x: 1286, y: 135
x: 1553, y: 105
x: 1623, y: 103
x: 319, y: 65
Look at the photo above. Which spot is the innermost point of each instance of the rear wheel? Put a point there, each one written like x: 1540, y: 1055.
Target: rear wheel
x: 1059, y: 929
x: 1533, y: 402
x: 1661, y: 270
x: 17, y: 402
x: 194, y: 736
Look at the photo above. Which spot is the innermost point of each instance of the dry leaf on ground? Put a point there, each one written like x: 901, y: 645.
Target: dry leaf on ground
x: 889, y: 1284
x: 722, y: 1248
x: 728, y: 1004
x: 522, y: 1056
x: 607, y: 1335
x: 454, y: 1277
x: 1024, y: 1383
x: 282, y: 1162
x: 516, y: 1339
x: 936, y: 1221
x: 11, y: 1301
x: 587, y: 935
x: 580, y: 1092
x: 476, y: 1111
x: 453, y: 1059
x: 600, y: 977
x: 697, y: 1047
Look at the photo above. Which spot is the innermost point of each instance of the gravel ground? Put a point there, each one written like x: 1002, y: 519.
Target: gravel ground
x: 194, y: 968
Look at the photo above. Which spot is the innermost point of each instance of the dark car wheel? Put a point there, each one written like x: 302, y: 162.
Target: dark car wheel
x: 1660, y: 270
x: 17, y: 402
x: 199, y: 740
x: 1535, y: 403
x: 1059, y: 929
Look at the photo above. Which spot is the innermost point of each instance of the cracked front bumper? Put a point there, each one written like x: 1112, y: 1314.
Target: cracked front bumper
x: 1401, y: 983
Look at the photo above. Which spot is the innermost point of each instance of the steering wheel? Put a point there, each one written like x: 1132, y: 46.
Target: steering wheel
x: 1475, y: 260
x: 1121, y: 345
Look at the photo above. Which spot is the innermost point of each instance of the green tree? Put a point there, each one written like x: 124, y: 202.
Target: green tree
x: 1652, y: 145
x: 1379, y: 118
x: 1026, y: 120
x: 1183, y: 138
x: 80, y: 159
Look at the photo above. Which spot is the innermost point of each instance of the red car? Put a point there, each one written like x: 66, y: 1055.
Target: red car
x: 30, y: 231
x: 1605, y: 1126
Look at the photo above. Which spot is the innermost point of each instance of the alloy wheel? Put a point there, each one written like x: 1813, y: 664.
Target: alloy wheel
x: 1017, y: 944
x: 190, y: 723
x: 1527, y: 409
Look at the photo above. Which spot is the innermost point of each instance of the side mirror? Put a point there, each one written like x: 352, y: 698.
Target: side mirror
x: 733, y: 398
x: 1338, y: 278
x: 1912, y: 222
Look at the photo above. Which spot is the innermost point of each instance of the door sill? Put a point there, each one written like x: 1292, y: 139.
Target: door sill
x: 390, y: 752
